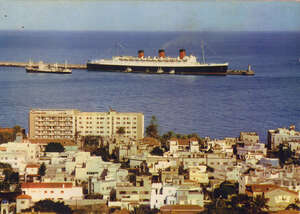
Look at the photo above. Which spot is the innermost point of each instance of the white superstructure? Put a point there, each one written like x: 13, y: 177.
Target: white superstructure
x: 187, y: 61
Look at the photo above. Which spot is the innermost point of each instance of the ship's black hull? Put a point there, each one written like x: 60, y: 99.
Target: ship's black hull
x: 196, y: 70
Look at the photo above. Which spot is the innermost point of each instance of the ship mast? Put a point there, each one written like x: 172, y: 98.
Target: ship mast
x: 203, y: 57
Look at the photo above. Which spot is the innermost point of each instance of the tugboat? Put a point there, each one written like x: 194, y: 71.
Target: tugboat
x: 182, y: 64
x: 47, y: 68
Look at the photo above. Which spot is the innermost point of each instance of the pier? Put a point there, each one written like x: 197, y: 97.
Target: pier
x: 249, y: 72
x: 35, y: 64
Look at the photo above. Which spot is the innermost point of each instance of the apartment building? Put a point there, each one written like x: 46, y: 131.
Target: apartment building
x: 52, y: 124
x: 108, y: 124
x: 282, y: 135
x: 71, y: 123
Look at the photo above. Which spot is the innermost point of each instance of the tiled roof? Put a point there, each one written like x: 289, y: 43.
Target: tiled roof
x: 151, y: 141
x: 2, y: 148
x: 24, y: 197
x: 9, y: 130
x: 261, y: 187
x: 184, y: 142
x: 32, y: 165
x: 46, y: 185
x: 267, y: 188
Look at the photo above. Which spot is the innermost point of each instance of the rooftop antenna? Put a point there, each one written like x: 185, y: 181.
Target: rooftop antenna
x: 203, y: 57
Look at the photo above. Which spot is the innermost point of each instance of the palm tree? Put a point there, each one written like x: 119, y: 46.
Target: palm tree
x: 259, y: 203
x: 121, y: 130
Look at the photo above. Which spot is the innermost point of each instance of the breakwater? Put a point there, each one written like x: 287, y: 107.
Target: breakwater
x: 35, y: 64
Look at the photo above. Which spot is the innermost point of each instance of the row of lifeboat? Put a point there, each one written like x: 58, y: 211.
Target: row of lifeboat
x: 159, y: 71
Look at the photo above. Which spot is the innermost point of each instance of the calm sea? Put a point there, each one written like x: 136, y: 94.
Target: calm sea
x: 208, y: 105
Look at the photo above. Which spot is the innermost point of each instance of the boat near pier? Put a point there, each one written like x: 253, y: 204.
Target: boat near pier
x: 47, y: 68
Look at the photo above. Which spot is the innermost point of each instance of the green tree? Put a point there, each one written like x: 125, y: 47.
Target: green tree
x: 92, y: 141
x: 6, y: 137
x: 51, y: 206
x: 157, y: 151
x: 284, y: 153
x: 152, y: 129
x: 103, y: 152
x: 144, y: 209
x: 259, y: 204
x: 11, y: 177
x: 121, y: 130
x: 164, y: 139
x: 54, y: 147
x: 113, y: 195
x: 42, y: 170
x: 5, y: 166
x: 226, y: 188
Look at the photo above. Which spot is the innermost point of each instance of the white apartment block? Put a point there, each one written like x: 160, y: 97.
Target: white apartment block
x: 282, y: 135
x: 69, y: 124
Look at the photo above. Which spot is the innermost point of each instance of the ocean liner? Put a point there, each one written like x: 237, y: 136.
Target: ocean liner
x: 183, y: 64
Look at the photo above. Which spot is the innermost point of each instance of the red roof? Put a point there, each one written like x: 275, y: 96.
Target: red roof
x: 259, y: 188
x: 9, y: 130
x: 2, y: 148
x: 24, y: 197
x: 32, y: 165
x: 46, y: 185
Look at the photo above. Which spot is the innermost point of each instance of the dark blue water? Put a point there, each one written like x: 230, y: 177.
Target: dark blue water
x: 208, y: 105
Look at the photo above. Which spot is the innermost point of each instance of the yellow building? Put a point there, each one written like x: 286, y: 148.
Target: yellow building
x: 52, y: 124
x: 65, y: 124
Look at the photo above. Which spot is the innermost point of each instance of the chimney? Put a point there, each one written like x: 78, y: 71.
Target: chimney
x: 141, y: 53
x: 182, y: 53
x: 161, y: 53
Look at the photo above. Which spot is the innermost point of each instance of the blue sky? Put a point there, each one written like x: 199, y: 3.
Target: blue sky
x: 150, y: 15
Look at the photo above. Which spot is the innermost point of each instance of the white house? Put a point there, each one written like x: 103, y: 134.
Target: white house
x: 53, y: 191
x: 18, y: 155
x: 183, y: 145
x: 162, y: 195
x: 23, y: 202
x: 198, y: 174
